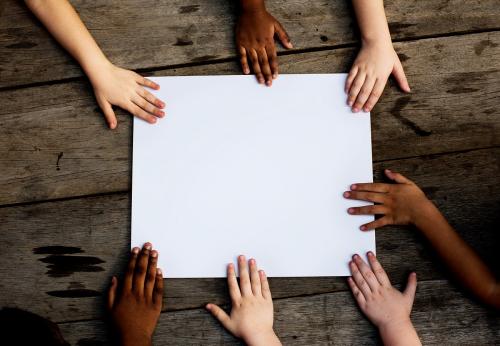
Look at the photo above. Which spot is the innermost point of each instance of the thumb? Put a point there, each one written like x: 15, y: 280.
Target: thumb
x: 398, y: 178
x: 282, y: 35
x: 109, y: 114
x: 399, y: 75
x: 220, y: 315
x: 411, y: 287
x: 112, y: 292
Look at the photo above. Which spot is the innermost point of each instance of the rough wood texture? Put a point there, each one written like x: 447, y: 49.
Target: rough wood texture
x: 62, y: 254
x: 152, y: 34
x: 54, y: 142
x: 325, y: 320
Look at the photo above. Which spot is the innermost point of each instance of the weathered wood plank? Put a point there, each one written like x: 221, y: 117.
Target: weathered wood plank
x: 441, y: 315
x: 91, y: 238
x: 54, y: 142
x: 152, y: 34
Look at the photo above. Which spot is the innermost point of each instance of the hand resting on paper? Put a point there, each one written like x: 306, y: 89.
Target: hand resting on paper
x: 386, y: 307
x: 135, y: 306
x: 255, y: 33
x: 251, y: 317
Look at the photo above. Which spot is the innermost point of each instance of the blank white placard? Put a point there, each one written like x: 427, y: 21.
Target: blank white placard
x: 239, y: 168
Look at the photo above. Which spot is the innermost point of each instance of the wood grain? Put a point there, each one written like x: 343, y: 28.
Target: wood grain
x: 61, y: 255
x: 54, y: 142
x: 441, y: 315
x: 152, y: 34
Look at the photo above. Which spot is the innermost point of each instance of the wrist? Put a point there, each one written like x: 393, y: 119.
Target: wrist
x: 252, y: 5
x: 96, y: 67
x: 136, y: 340
x: 424, y: 212
x: 262, y: 338
x: 377, y: 41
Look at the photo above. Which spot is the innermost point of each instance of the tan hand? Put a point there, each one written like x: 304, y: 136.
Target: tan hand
x: 400, y: 204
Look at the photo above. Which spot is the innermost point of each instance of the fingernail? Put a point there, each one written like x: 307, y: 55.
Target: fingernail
x: 158, y: 271
x: 241, y: 257
x: 350, y: 210
x: 370, y: 254
x: 356, y: 256
x: 367, y: 109
x: 346, y: 194
x: 147, y: 246
x: 275, y: 76
x: 350, y: 103
x: 154, y: 254
x: 135, y: 250
x: 363, y: 228
x: 355, y: 110
x: 354, y: 187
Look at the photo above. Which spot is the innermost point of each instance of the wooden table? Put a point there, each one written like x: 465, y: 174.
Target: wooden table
x: 65, y: 178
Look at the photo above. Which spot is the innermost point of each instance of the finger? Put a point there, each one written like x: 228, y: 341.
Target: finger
x: 266, y: 290
x: 158, y: 289
x: 282, y: 35
x: 147, y: 82
x: 232, y: 283
x: 377, y: 90
x: 368, y: 210
x: 411, y: 287
x: 364, y: 93
x: 109, y: 114
x: 150, y: 98
x: 245, y: 287
x: 371, y: 187
x: 400, y: 76
x: 376, y: 224
x: 355, y: 88
x: 264, y: 65
x: 367, y: 273
x: 376, y: 197
x: 221, y: 316
x: 379, y: 272
x: 350, y: 78
x: 360, y: 282
x: 273, y: 60
x: 141, y: 269
x: 129, y: 274
x: 243, y: 60
x: 140, y: 113
x: 148, y: 107
x: 255, y: 66
x: 358, y: 295
x: 255, y: 278
x: 151, y: 274
x: 397, y: 177
x: 112, y: 293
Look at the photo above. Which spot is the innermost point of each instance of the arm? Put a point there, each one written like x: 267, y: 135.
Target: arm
x: 376, y: 59
x: 255, y: 33
x: 387, y: 308
x: 404, y: 203
x: 112, y: 85
x: 251, y: 317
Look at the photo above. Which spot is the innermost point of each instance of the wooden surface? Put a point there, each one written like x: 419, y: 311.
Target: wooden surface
x: 65, y: 178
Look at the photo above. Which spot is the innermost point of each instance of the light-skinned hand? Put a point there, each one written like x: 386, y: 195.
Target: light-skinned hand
x: 375, y: 62
x: 135, y: 307
x: 386, y: 307
x: 255, y: 33
x: 251, y: 317
x: 115, y: 86
x: 400, y: 204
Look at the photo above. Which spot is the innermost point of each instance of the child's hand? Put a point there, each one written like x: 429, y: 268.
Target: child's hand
x: 252, y: 307
x: 255, y: 41
x: 369, y: 73
x: 401, y: 204
x: 125, y: 89
x: 136, y: 306
x: 387, y: 308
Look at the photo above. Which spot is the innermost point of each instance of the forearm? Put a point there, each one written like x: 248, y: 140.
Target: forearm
x: 62, y: 21
x: 402, y: 333
x: 461, y: 259
x: 246, y: 5
x: 372, y: 22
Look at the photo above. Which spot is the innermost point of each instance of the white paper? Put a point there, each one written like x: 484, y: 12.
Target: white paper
x: 239, y: 168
